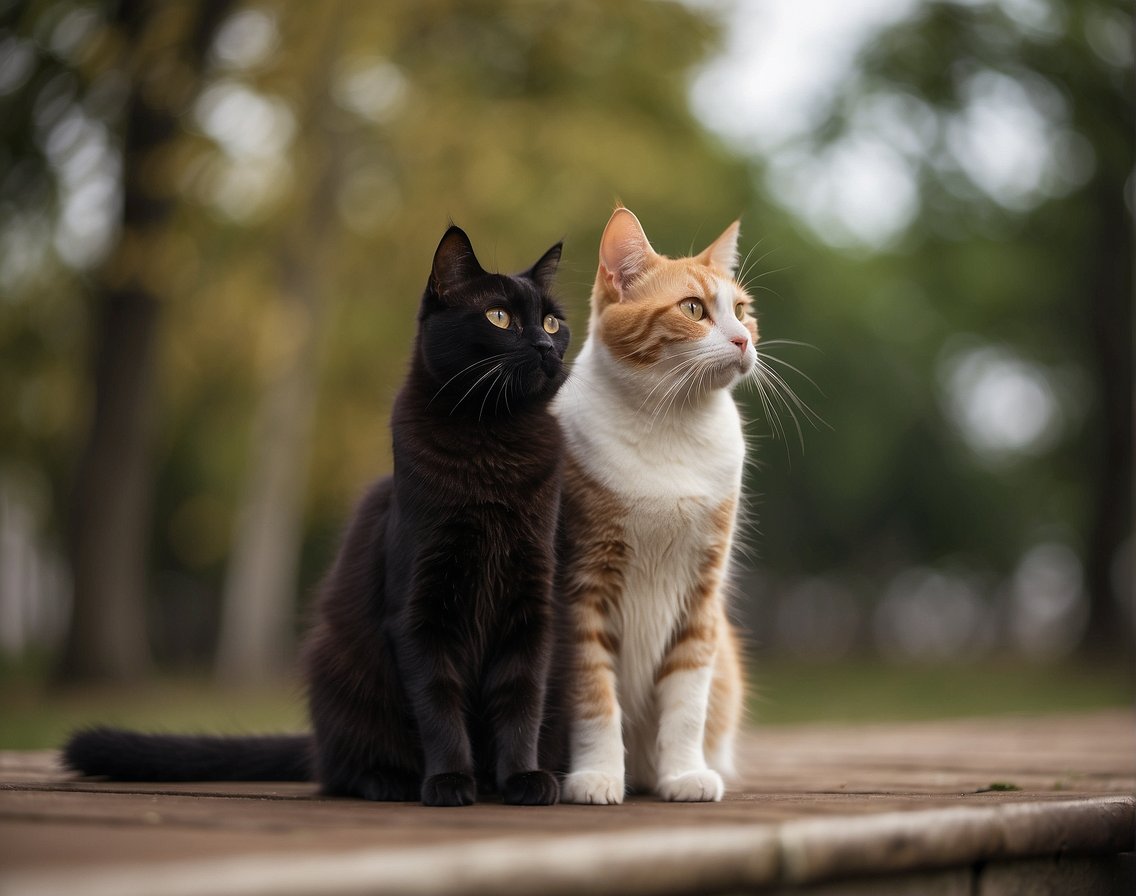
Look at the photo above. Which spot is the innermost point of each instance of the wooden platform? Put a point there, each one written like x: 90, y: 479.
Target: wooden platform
x: 992, y: 806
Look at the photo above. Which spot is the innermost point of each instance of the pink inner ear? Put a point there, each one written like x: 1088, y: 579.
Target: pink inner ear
x: 624, y: 249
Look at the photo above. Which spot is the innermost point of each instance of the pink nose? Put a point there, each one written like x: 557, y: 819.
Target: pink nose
x: 742, y: 342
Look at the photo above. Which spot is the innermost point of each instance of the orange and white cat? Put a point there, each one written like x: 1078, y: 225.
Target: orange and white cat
x: 653, y: 478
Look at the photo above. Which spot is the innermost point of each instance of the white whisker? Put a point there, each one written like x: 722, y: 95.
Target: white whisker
x: 662, y: 381
x: 746, y: 267
x: 792, y: 367
x: 484, y: 376
x: 466, y: 369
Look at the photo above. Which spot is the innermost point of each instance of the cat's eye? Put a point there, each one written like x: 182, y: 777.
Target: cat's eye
x: 692, y: 308
x: 499, y: 317
x: 740, y: 311
x: 551, y: 323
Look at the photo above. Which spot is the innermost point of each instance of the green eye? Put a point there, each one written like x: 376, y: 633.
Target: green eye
x: 740, y: 311
x: 551, y: 323
x: 692, y: 308
x: 499, y: 317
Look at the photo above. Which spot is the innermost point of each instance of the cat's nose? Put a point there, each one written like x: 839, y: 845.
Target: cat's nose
x: 742, y: 342
x: 542, y: 342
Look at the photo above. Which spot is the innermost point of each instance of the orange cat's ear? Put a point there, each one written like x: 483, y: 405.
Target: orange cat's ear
x: 723, y: 252
x: 624, y: 249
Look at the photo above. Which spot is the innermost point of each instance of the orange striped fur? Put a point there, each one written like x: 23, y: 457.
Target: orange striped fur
x: 651, y: 495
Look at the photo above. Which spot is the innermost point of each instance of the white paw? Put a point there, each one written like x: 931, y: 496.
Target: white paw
x: 699, y: 786
x: 596, y: 788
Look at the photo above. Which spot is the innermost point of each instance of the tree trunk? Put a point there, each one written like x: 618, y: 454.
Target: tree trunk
x: 259, y: 603
x: 110, y: 518
x: 107, y: 635
x: 260, y: 584
x: 1110, y: 592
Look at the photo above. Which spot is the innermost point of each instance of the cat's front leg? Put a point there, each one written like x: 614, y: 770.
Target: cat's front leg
x: 435, y: 687
x: 682, y: 688
x: 515, y: 690
x: 597, y: 769
x: 448, y: 757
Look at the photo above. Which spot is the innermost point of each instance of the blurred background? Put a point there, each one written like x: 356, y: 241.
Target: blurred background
x: 217, y: 217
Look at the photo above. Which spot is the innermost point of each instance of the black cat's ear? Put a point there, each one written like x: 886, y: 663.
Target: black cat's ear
x: 544, y: 270
x: 454, y: 262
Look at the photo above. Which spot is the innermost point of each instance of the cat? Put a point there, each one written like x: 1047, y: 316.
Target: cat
x: 428, y: 660
x: 652, y: 482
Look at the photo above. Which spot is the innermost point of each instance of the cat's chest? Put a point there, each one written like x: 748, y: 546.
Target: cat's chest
x: 463, y: 469
x: 668, y: 539
x: 669, y: 470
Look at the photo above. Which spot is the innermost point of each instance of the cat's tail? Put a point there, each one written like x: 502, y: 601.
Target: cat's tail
x: 132, y: 756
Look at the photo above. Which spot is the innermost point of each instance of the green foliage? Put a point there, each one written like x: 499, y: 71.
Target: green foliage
x: 524, y: 122
x: 1044, y: 275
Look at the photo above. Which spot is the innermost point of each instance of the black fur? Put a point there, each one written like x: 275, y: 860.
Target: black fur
x: 429, y: 657
x: 129, y: 756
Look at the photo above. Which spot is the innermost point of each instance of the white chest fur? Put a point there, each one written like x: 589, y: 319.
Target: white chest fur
x: 641, y: 450
x: 672, y: 470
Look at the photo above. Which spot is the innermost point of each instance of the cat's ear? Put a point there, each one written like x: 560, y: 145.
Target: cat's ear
x: 723, y: 252
x: 624, y: 249
x: 544, y: 270
x: 454, y: 262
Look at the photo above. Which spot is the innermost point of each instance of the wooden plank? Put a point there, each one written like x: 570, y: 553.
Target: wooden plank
x: 815, y: 804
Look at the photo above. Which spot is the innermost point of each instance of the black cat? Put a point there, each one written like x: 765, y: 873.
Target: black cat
x: 427, y: 664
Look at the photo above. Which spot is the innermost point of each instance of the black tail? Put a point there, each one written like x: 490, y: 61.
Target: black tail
x: 132, y: 756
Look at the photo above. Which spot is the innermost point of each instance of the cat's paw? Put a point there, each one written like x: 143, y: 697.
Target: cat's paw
x: 596, y: 788
x: 535, y: 788
x: 699, y: 786
x: 449, y: 789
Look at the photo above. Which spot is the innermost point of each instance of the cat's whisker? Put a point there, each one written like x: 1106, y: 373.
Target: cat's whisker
x: 663, y: 381
x: 674, y: 387
x: 702, y: 374
x: 788, y: 391
x: 476, y: 382
x: 490, y: 360
x: 504, y: 392
x: 770, y: 416
x: 771, y: 271
x: 679, y: 388
x: 777, y: 395
x: 765, y: 343
x: 758, y: 287
x: 746, y: 267
x: 783, y: 394
x: 500, y: 393
x: 745, y: 261
x: 771, y: 402
x: 488, y: 392
x: 768, y: 357
x: 690, y: 393
x: 663, y: 403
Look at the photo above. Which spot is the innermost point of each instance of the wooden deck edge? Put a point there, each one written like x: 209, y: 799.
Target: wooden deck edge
x: 679, y: 860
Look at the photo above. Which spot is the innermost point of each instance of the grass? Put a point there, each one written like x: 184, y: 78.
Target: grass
x: 876, y: 691
x: 33, y: 716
